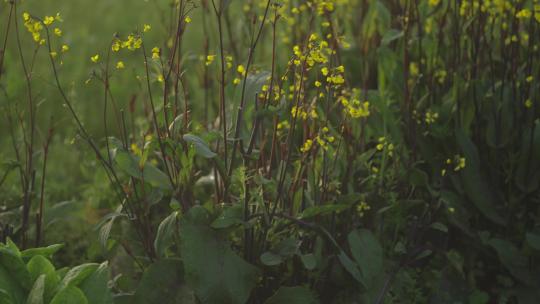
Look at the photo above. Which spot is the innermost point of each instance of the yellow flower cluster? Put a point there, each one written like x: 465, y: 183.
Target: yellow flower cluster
x: 355, y: 108
x: 384, y: 144
x: 458, y: 163
x: 131, y: 43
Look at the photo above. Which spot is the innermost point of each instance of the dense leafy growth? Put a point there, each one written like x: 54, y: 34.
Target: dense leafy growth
x: 273, y: 152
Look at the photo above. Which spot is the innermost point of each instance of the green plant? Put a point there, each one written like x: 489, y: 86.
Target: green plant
x: 29, y: 276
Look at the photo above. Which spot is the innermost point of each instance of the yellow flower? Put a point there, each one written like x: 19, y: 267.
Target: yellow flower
x: 147, y: 28
x: 58, y: 32
x: 155, y: 53
x: 115, y: 46
x: 528, y: 104
x: 26, y: 16
x: 95, y: 58
x: 160, y: 78
x: 120, y: 65
x: 53, y: 54
x: 324, y: 71
x: 307, y: 146
x: 187, y: 19
x: 48, y: 20
x: 236, y: 81
x: 529, y: 78
x: 210, y: 59
x: 65, y: 48
x: 413, y: 69
x: 524, y: 14
x: 434, y: 2
x: 241, y: 70
x: 318, y: 84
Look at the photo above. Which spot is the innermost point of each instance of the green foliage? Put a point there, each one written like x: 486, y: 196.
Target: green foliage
x: 32, y: 278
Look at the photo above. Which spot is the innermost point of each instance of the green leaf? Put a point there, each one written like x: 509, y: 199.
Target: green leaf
x: 95, y: 286
x: 44, y: 251
x: 271, y: 259
x: 391, y: 35
x: 513, y: 260
x: 129, y: 163
x: 474, y: 183
x: 351, y: 267
x: 77, y: 274
x: 15, y: 267
x: 367, y: 253
x: 309, y: 261
x: 165, y: 233
x: 323, y: 210
x: 69, y: 295
x: 293, y: 295
x: 213, y: 270
x: 37, y: 292
x: 11, y: 288
x: 201, y: 147
x: 38, y: 266
x: 5, y: 298
x: 161, y: 283
x: 230, y: 216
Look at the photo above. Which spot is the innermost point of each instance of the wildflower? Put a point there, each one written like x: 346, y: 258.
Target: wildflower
x: 413, y: 69
x: 160, y: 78
x: 147, y: 28
x: 210, y: 59
x: 95, y: 58
x: 53, y: 54
x: 48, y: 20
x: 524, y: 14
x: 528, y: 104
x: 65, y: 48
x: 529, y: 78
x: 318, y: 84
x: 26, y: 16
x: 307, y: 146
x: 236, y: 81
x: 324, y: 71
x: 187, y: 19
x: 120, y: 65
x: 460, y: 163
x: 434, y: 2
x: 57, y: 32
x: 155, y: 53
x: 115, y: 46
x: 241, y: 70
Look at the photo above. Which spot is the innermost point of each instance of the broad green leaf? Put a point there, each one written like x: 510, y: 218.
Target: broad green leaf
x: 161, y: 283
x: 201, y: 147
x: 38, y: 266
x: 367, y: 253
x: 309, y: 261
x: 165, y: 233
x: 514, y: 261
x: 15, y: 267
x: 271, y: 259
x: 14, y: 291
x: 36, y: 295
x: 474, y: 183
x: 230, y: 216
x: 293, y: 295
x: 69, y: 295
x: 351, y: 268
x: 44, y: 251
x: 77, y: 274
x: 95, y: 286
x: 129, y: 163
x: 213, y: 270
x: 323, y: 210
